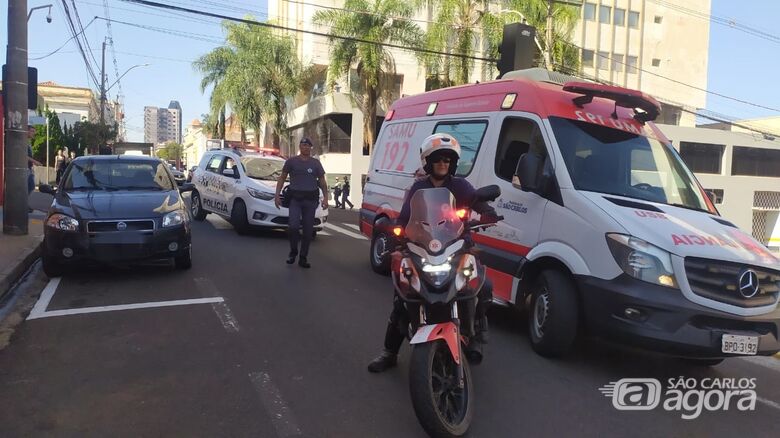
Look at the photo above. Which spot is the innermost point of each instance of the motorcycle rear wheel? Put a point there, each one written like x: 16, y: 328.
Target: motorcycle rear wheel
x: 442, y: 408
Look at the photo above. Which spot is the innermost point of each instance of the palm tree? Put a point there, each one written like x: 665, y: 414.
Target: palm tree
x: 377, y: 21
x: 213, y: 66
x: 565, y: 56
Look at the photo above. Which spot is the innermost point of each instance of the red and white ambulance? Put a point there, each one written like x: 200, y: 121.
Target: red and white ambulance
x: 606, y: 230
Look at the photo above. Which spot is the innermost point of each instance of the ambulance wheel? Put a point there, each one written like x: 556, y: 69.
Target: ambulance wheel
x: 238, y: 217
x: 380, y: 244
x: 553, y: 318
x: 196, y: 207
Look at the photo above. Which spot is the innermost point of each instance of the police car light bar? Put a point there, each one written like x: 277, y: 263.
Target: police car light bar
x: 645, y: 107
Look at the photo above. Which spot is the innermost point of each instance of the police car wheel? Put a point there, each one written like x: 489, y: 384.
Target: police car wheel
x: 196, y: 207
x: 554, y: 312
x: 380, y: 242
x: 238, y: 217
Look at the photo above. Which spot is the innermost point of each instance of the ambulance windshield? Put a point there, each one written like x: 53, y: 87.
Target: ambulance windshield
x: 616, y: 162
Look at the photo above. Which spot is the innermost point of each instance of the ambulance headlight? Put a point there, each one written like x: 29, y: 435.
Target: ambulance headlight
x: 172, y: 219
x: 259, y: 194
x: 642, y: 260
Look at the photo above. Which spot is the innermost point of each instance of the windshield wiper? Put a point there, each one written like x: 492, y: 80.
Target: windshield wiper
x: 689, y: 207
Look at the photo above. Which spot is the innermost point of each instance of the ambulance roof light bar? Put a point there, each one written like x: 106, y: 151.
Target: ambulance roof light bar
x: 645, y: 107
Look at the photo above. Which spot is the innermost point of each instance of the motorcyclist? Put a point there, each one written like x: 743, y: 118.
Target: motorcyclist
x: 439, y: 154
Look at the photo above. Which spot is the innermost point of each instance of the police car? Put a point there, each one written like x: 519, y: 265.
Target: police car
x: 240, y: 186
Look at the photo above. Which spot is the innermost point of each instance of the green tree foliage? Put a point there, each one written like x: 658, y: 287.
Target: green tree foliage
x: 380, y: 21
x: 171, y: 151
x: 57, y: 138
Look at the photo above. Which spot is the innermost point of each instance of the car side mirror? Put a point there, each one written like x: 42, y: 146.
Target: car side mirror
x: 229, y: 172
x: 186, y: 187
x: 487, y: 193
x: 45, y: 188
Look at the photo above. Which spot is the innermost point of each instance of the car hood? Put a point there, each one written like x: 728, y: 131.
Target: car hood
x: 684, y: 232
x: 117, y: 205
x: 262, y: 184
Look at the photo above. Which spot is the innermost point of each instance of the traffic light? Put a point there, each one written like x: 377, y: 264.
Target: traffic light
x: 518, y: 49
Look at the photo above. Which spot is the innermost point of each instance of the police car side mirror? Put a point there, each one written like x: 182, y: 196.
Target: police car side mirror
x: 229, y: 172
x: 186, y: 187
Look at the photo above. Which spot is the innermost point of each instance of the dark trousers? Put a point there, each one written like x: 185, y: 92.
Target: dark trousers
x: 301, y: 214
x: 345, y: 201
x: 399, y: 317
x: 59, y: 175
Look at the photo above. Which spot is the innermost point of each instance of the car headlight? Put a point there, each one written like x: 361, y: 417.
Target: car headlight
x: 172, y: 219
x: 642, y: 260
x: 259, y: 194
x: 62, y: 222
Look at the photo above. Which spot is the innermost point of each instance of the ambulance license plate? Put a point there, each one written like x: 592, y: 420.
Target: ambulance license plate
x: 735, y: 344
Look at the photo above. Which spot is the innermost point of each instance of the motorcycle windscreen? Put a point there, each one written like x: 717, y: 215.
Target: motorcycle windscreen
x: 433, y: 220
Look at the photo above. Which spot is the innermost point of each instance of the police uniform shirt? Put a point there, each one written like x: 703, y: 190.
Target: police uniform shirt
x: 304, y: 173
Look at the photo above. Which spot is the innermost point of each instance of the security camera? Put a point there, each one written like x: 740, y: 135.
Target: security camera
x: 48, y: 18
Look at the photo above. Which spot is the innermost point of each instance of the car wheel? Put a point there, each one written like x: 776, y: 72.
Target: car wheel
x: 380, y: 244
x: 51, y: 267
x: 238, y: 217
x: 184, y: 261
x: 196, y: 207
x: 554, y: 313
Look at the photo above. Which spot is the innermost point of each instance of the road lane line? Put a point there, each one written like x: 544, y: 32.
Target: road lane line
x: 150, y: 305
x: 226, y: 317
x: 281, y: 415
x: 323, y: 233
x: 353, y: 226
x: 218, y: 222
x: 45, y: 298
x: 769, y: 403
x: 345, y: 232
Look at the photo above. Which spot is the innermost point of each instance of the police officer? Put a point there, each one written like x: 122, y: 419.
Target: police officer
x: 439, y: 155
x: 307, y: 178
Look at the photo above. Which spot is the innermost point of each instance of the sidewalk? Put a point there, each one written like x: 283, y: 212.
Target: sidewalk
x: 18, y: 253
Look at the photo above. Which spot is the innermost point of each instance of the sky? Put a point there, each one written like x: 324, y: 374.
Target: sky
x: 740, y: 65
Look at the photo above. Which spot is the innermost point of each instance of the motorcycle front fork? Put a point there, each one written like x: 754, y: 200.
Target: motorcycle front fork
x: 456, y: 321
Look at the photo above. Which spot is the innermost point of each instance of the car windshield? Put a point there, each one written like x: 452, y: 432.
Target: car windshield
x: 117, y: 175
x: 262, y: 168
x: 616, y: 162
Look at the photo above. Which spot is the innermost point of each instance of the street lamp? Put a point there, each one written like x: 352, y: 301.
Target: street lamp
x: 48, y: 16
x: 105, y: 90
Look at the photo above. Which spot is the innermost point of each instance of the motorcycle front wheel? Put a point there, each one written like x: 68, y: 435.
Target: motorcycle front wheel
x: 443, y: 408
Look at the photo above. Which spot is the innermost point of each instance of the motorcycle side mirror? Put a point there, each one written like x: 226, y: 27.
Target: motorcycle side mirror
x: 487, y: 193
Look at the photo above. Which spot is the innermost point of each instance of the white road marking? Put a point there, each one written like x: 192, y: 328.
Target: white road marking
x: 45, y: 298
x: 323, y: 233
x: 100, y: 309
x: 226, y: 317
x: 218, y: 222
x: 281, y: 415
x: 769, y: 403
x: 345, y: 232
x: 353, y: 226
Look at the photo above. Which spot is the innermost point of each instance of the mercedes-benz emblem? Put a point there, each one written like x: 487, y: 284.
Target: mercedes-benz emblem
x: 748, y: 283
x: 121, y: 226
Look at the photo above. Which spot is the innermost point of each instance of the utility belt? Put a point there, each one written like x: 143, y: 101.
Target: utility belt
x: 299, y: 195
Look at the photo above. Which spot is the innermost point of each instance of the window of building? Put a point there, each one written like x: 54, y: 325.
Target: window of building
x: 469, y: 134
x: 633, y: 19
x: 656, y: 62
x: 747, y: 161
x: 658, y: 19
x: 603, y: 61
x: 620, y: 17
x: 589, y: 11
x: 617, y: 62
x: 605, y: 13
x: 670, y: 114
x: 631, y: 64
x: 587, y: 58
x: 702, y: 157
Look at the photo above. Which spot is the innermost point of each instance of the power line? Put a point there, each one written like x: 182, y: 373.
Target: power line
x: 75, y: 34
x: 63, y: 44
x: 311, y: 32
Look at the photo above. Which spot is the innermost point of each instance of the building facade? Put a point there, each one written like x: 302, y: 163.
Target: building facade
x: 162, y: 125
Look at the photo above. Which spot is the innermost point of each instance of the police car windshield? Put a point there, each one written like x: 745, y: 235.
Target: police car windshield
x: 613, y: 161
x: 117, y: 175
x: 262, y: 168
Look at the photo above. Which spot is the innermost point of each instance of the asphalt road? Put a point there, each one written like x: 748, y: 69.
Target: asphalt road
x: 266, y: 349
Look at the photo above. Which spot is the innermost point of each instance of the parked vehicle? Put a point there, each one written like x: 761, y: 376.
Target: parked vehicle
x: 604, y: 221
x: 190, y: 173
x: 240, y: 186
x: 178, y: 175
x: 115, y: 209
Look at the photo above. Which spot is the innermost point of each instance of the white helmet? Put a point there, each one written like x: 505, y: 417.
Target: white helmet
x: 436, y: 145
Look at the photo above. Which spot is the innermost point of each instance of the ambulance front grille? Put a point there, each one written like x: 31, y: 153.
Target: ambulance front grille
x: 720, y: 281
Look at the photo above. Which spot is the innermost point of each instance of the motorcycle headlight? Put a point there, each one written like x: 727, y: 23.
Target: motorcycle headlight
x: 259, y: 194
x: 172, y: 219
x: 642, y: 260
x: 62, y: 222
x: 408, y: 274
x: 437, y: 274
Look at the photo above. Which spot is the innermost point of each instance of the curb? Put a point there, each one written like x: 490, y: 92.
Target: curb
x: 18, y: 267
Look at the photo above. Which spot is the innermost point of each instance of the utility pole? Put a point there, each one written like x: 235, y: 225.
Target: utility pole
x: 15, y: 213
x: 102, y: 96
x: 548, y: 38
